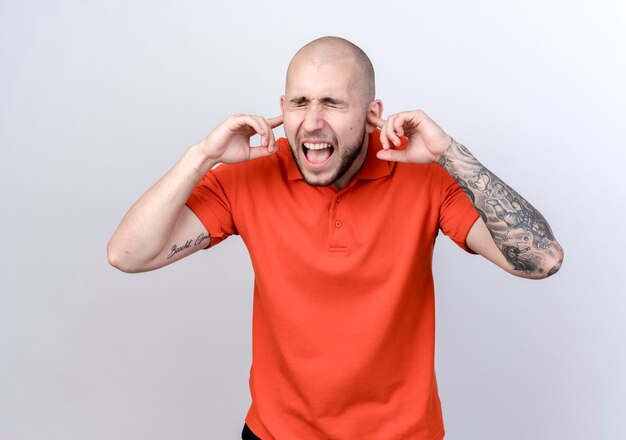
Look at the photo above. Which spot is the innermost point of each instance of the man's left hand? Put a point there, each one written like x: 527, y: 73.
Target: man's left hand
x: 426, y: 140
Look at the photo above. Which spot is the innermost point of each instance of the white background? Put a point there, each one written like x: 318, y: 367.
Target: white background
x: 99, y: 99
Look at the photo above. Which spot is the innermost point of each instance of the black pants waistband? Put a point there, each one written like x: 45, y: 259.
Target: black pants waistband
x: 247, y: 434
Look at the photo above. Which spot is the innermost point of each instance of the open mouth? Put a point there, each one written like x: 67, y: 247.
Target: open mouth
x: 317, y: 153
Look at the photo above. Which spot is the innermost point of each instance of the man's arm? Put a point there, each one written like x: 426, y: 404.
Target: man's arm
x: 159, y: 229
x: 520, y: 233
x: 511, y: 232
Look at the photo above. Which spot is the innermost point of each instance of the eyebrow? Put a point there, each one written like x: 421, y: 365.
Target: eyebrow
x: 298, y: 100
x: 333, y: 101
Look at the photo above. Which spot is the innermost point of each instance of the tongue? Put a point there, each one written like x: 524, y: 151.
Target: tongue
x: 318, y: 156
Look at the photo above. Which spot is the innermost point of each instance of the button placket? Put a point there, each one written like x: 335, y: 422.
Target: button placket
x: 337, y: 234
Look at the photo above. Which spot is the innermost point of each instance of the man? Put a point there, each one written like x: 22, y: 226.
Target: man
x: 340, y: 220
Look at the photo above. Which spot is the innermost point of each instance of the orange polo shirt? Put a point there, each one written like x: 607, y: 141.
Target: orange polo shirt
x: 344, y: 308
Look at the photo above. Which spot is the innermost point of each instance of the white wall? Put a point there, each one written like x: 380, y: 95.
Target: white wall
x: 98, y: 99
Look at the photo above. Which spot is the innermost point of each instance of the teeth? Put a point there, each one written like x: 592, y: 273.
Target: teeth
x: 316, y: 146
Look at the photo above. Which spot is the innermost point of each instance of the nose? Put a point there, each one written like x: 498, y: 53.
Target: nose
x: 313, y: 119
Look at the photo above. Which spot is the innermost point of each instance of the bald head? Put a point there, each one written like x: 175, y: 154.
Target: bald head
x: 328, y: 50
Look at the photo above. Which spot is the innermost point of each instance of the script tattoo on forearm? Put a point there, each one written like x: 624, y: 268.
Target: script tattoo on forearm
x: 518, y: 229
x: 176, y: 248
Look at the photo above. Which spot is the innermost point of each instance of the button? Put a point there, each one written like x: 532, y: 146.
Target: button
x: 338, y: 199
x: 338, y: 224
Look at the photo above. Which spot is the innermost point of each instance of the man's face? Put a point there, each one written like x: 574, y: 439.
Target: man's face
x: 325, y: 120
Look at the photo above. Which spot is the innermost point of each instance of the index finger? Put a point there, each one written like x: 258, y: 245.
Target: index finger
x: 275, y: 122
x: 378, y: 122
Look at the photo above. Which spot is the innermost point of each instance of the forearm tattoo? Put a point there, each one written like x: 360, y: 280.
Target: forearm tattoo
x: 200, y: 240
x: 521, y: 233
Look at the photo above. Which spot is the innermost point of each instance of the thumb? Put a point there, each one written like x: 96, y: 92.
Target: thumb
x: 258, y: 152
x: 392, y: 155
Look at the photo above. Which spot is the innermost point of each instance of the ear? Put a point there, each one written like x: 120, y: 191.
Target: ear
x: 282, y: 103
x: 374, y: 108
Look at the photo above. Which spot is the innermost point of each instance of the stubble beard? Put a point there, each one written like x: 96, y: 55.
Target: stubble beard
x: 348, y: 157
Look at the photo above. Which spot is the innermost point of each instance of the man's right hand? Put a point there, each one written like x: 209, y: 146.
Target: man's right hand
x: 230, y: 141
x: 159, y: 221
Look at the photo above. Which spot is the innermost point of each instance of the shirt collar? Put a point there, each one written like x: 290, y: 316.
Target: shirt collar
x: 372, y: 168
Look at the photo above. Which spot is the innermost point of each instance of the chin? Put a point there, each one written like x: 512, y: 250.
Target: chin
x: 318, y: 180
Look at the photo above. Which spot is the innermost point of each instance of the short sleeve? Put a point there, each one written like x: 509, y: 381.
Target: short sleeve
x: 456, y: 212
x: 209, y: 202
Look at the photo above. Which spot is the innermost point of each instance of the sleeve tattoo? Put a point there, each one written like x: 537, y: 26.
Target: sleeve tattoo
x: 520, y: 231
